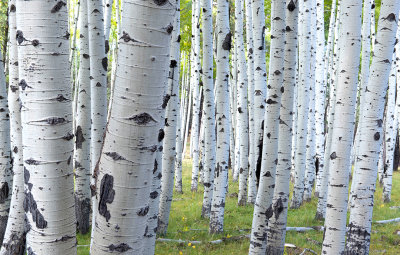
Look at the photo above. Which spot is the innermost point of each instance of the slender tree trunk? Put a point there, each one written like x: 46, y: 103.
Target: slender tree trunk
x: 125, y: 168
x: 343, y: 126
x: 222, y: 122
x: 209, y: 108
x: 14, y: 237
x: 82, y: 130
x: 277, y: 222
x: 359, y: 233
x: 107, y: 21
x: 47, y: 133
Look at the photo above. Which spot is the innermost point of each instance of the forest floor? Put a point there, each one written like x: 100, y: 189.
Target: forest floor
x: 186, y: 224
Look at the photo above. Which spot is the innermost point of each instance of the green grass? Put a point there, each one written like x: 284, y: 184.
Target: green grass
x: 186, y: 224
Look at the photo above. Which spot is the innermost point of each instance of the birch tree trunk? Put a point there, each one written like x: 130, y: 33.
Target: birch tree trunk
x: 82, y: 129
x: 14, y: 237
x: 359, y: 233
x: 242, y: 111
x: 276, y: 229
x: 263, y: 204
x: 107, y: 22
x: 195, y: 72
x: 47, y: 133
x: 169, y: 151
x: 209, y: 107
x: 222, y: 121
x: 343, y: 126
x: 124, y: 172
x: 391, y: 127
x: 303, y: 102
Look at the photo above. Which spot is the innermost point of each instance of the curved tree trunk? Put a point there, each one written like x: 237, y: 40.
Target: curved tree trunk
x: 276, y: 229
x: 125, y: 168
x: 47, y: 133
x: 359, y: 233
x: 222, y: 122
x: 82, y: 129
x: 14, y: 238
x: 343, y: 126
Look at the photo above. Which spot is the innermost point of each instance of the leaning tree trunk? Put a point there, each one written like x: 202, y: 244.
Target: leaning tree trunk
x: 343, y: 126
x: 303, y: 101
x: 276, y: 229
x: 171, y: 115
x: 82, y: 129
x: 209, y: 107
x: 195, y: 81
x: 263, y: 204
x: 359, y: 233
x: 47, y: 135
x: 14, y: 238
x: 125, y: 168
x: 242, y: 117
x: 222, y: 121
x: 391, y: 127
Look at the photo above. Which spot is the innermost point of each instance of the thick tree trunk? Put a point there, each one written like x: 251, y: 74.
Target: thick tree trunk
x: 263, y: 204
x: 222, y: 122
x: 276, y: 229
x: 47, y: 135
x: 359, y: 233
x: 343, y: 126
x: 14, y: 237
x: 82, y: 129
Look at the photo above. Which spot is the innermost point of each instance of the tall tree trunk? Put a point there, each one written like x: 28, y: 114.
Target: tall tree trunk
x: 169, y: 151
x: 343, y: 126
x: 195, y: 72
x: 359, y: 233
x: 14, y: 238
x: 209, y: 107
x: 82, y: 129
x: 124, y: 172
x: 222, y: 122
x: 277, y: 222
x: 107, y: 22
x: 263, y: 204
x: 47, y: 135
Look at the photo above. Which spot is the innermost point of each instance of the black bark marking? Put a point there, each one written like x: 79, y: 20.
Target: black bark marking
x: 4, y: 192
x: 166, y: 99
x: 58, y: 6
x: 227, y: 43
x: 278, y: 208
x: 30, y: 205
x: 35, y: 42
x: 270, y: 101
x: 98, y: 84
x: 169, y: 28
x: 267, y: 174
x: 13, y: 88
x: 53, y: 120
x: 125, y: 36
x: 23, y: 84
x: 142, y: 118
x: 85, y: 56
x: 143, y: 211
x: 68, y: 136
x: 107, y: 46
x: 107, y: 194
x: 31, y: 161
x: 377, y: 136
x: 15, y: 150
x: 61, y: 98
x: 269, y: 212
x: 161, y: 135
x: 391, y: 17
x: 20, y: 37
x: 380, y: 122
x: 104, y: 63
x: 115, y: 156
x: 79, y: 137
x: 155, y: 166
x: 333, y: 155
x: 173, y: 63
x: 123, y: 247
x: 12, y: 8
x: 82, y: 212
x: 153, y: 194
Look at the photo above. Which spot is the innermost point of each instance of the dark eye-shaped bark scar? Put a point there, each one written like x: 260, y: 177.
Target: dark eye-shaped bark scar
x: 58, y: 6
x: 142, y: 119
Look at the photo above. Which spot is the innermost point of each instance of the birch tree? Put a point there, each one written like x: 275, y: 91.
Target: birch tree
x: 43, y: 45
x: 14, y: 237
x: 222, y: 121
x: 82, y: 129
x: 209, y: 107
x: 276, y: 229
x: 343, y: 126
x: 359, y: 233
x: 126, y: 164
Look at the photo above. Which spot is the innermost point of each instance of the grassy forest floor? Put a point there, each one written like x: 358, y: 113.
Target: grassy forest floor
x: 186, y: 224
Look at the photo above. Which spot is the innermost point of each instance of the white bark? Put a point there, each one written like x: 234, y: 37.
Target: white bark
x: 124, y: 173
x: 263, y: 204
x: 391, y: 128
x: 222, y: 122
x: 208, y: 107
x: 107, y: 21
x: 276, y: 229
x: 14, y: 238
x: 47, y: 134
x: 82, y: 129
x: 349, y: 43
x: 358, y: 237
x: 195, y: 80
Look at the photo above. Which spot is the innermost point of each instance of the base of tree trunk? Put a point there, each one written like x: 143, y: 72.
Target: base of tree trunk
x: 16, y: 246
x: 82, y: 212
